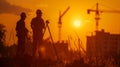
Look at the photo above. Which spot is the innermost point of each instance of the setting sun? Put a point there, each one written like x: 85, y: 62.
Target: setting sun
x: 77, y: 23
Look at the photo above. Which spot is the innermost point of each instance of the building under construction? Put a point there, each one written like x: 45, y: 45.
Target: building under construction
x: 103, y: 44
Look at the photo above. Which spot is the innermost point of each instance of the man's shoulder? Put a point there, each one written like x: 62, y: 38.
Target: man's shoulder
x: 19, y: 21
x: 37, y: 19
x: 34, y: 18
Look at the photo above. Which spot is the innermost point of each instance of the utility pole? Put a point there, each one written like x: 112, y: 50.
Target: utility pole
x: 60, y: 23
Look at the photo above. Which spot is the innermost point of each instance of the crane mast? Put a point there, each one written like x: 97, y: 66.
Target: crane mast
x: 60, y: 23
x: 97, y: 15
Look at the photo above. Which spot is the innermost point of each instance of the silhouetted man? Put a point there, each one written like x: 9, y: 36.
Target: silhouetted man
x: 21, y: 34
x: 38, y: 26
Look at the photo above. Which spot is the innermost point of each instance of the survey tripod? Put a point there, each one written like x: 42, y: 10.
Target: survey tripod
x: 47, y: 26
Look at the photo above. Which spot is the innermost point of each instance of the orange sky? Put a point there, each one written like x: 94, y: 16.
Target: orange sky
x: 78, y: 10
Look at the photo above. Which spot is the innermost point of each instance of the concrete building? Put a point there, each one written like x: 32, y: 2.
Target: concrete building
x: 103, y: 44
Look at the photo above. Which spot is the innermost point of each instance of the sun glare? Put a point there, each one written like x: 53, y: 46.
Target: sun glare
x: 77, y: 23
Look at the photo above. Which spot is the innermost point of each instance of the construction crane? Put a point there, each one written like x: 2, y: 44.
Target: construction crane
x: 60, y: 22
x: 97, y: 14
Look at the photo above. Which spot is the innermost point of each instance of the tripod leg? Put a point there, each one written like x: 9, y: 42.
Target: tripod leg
x: 53, y: 42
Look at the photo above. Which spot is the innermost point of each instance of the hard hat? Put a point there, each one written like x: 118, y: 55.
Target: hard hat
x: 38, y: 11
x: 23, y: 14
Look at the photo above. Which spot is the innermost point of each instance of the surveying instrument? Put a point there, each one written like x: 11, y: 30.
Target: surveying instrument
x: 47, y: 26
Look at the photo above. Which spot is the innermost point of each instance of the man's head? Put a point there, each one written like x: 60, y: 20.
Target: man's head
x: 39, y: 12
x: 23, y: 15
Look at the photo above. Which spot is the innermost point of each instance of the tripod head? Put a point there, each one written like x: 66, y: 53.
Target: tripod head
x: 47, y: 22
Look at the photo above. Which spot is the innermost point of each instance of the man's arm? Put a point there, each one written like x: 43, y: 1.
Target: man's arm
x: 32, y: 26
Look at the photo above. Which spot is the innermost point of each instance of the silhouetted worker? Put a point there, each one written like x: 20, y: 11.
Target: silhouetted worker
x: 38, y: 26
x: 21, y: 31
